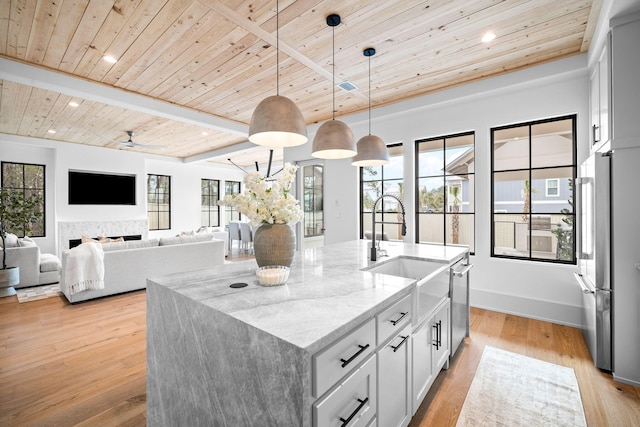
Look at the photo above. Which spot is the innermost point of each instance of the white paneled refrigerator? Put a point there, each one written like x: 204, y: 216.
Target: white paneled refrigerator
x: 593, y: 193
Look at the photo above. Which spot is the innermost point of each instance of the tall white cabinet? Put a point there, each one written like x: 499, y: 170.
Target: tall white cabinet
x: 625, y: 141
x: 615, y: 125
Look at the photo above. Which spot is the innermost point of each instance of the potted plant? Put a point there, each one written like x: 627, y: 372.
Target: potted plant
x: 17, y: 213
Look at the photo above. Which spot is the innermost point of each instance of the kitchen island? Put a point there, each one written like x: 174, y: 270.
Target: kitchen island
x: 283, y: 356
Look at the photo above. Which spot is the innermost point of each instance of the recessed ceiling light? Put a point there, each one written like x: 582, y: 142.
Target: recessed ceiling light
x: 74, y: 104
x: 488, y: 37
x: 204, y: 134
x: 51, y: 131
x: 110, y: 59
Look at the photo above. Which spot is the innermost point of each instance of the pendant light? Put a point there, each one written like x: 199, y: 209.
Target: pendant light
x: 334, y: 139
x: 277, y: 121
x: 372, y: 151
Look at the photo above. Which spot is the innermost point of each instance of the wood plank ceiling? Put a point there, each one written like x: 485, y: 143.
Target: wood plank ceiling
x: 219, y: 58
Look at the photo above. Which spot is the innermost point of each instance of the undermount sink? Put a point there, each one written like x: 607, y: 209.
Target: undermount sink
x: 409, y: 268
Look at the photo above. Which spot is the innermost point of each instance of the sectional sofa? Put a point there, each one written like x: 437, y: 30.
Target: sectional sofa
x: 127, y: 265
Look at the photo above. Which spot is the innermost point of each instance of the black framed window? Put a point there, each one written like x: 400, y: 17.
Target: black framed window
x: 29, y: 179
x: 378, y: 180
x: 231, y: 188
x: 445, y: 190
x: 159, y: 202
x: 209, y: 209
x: 533, y: 168
x: 313, y: 182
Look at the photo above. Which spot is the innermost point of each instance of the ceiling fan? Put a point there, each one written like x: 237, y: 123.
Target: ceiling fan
x: 129, y: 143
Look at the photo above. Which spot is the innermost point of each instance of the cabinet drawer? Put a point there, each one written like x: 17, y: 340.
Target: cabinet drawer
x: 341, y: 357
x: 393, y: 319
x: 355, y: 400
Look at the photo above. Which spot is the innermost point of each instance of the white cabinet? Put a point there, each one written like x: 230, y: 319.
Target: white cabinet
x: 625, y: 80
x: 394, y: 364
x: 353, y: 402
x: 363, y: 378
x: 379, y: 372
x: 440, y: 336
x: 394, y: 380
x: 599, y: 100
x: 422, y: 373
x: 430, y: 352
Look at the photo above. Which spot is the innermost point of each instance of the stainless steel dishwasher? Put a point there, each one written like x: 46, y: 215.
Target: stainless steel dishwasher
x: 459, y: 293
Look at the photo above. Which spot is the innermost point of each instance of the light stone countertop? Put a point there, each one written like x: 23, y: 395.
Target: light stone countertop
x: 326, y: 295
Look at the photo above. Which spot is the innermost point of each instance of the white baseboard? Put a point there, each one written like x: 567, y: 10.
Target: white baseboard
x: 625, y: 380
x: 547, y: 311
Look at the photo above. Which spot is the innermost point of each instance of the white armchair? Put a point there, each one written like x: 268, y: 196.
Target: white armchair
x: 35, y: 268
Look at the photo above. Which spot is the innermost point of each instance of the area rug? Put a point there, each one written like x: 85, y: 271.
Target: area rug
x: 509, y: 389
x: 38, y: 292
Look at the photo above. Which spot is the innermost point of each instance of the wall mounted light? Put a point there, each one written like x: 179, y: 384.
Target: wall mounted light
x: 372, y: 151
x: 277, y: 121
x: 334, y: 139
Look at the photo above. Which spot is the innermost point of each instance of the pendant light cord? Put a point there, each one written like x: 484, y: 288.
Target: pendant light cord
x: 369, y: 95
x: 333, y: 72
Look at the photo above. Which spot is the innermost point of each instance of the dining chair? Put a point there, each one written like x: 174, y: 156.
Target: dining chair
x: 246, y: 237
x: 234, y: 234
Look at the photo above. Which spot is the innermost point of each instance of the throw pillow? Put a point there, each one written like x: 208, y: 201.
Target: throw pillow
x: 26, y: 242
x: 103, y: 240
x: 166, y: 241
x: 11, y: 241
x: 87, y: 239
x: 130, y: 244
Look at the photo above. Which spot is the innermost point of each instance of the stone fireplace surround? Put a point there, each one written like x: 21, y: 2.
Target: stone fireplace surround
x: 69, y: 230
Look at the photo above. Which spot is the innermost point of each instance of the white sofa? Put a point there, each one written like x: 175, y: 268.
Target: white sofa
x: 218, y: 233
x: 35, y: 268
x: 128, y: 265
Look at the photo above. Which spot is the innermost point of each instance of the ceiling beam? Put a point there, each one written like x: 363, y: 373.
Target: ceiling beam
x: 229, y: 149
x: 73, y: 86
x: 255, y: 29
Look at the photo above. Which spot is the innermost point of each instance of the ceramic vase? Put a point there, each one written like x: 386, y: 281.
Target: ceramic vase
x: 274, y: 244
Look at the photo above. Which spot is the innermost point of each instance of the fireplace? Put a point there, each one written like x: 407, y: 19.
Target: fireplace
x: 69, y: 231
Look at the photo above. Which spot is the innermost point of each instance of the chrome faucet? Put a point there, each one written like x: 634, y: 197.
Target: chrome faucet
x: 374, y: 249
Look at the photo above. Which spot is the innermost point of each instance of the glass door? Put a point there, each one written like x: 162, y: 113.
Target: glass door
x: 312, y: 190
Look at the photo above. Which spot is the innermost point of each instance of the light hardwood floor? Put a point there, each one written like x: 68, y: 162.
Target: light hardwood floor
x: 84, y: 365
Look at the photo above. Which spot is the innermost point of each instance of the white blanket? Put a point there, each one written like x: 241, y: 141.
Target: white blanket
x: 84, y: 268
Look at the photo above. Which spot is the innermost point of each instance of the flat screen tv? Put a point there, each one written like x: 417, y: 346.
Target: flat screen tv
x: 96, y: 188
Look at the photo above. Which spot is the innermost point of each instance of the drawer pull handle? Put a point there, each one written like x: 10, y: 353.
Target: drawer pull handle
x: 438, y: 341
x: 395, y: 322
x: 396, y: 347
x: 353, y: 414
x: 349, y: 360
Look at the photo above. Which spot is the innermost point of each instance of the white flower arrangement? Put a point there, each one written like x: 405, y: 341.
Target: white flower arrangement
x: 267, y: 201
